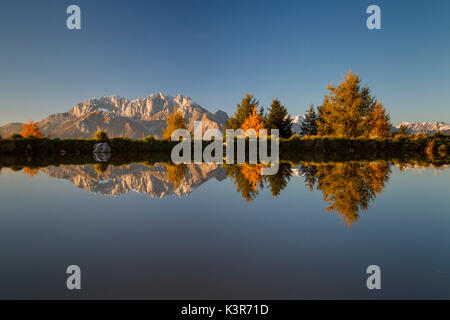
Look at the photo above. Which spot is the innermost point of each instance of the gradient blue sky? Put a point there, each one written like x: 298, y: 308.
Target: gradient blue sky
x: 215, y: 51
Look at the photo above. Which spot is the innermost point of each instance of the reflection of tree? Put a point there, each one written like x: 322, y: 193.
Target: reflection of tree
x: 279, y: 181
x: 309, y: 172
x: 252, y: 173
x: 30, y: 172
x: 101, y: 167
x: 176, y: 173
x: 247, y: 178
x: 249, y: 181
x: 349, y: 187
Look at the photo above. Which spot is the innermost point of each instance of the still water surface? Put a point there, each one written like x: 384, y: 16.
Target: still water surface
x: 212, y: 232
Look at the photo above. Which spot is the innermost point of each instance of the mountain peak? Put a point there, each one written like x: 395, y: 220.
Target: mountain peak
x: 119, y: 116
x: 425, y: 127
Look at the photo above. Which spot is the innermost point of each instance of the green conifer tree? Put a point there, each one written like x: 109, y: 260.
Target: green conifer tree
x: 278, y: 118
x: 403, y: 131
x: 244, y: 110
x: 309, y: 124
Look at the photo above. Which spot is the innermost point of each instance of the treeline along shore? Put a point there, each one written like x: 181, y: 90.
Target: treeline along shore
x: 424, y: 148
x: 351, y: 124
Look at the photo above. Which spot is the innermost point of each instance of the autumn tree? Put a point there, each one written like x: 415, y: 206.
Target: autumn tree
x: 380, y: 122
x: 176, y: 174
x: 244, y: 110
x: 31, y: 130
x: 247, y: 178
x: 101, y: 167
x: 309, y: 124
x: 348, y: 187
x: 254, y: 121
x: 174, y: 121
x: 347, y: 110
x: 101, y: 136
x: 31, y: 172
x: 278, y: 118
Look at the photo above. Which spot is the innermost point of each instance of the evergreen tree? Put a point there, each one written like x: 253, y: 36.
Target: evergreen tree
x: 279, y: 181
x: 309, y: 124
x: 309, y: 172
x: 174, y: 121
x: 403, y: 131
x: 278, y: 118
x: 244, y: 110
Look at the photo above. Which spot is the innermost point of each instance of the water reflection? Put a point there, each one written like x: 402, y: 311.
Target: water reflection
x: 347, y: 187
x: 249, y: 181
x: 157, y: 181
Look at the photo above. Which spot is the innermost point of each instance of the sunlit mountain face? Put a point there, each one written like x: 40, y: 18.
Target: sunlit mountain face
x: 158, y: 181
x: 121, y: 117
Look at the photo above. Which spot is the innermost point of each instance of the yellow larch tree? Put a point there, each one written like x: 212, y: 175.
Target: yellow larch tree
x: 254, y: 121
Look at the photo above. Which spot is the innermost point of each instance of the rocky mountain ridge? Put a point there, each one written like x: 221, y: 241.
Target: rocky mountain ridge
x: 121, y: 117
x: 153, y: 181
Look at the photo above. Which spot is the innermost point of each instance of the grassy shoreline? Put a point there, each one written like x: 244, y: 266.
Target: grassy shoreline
x: 422, y: 148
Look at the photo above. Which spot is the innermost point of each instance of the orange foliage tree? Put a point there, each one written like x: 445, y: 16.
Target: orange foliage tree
x: 31, y: 130
x: 31, y: 172
x: 176, y: 174
x: 254, y: 121
x: 252, y: 173
x: 379, y: 124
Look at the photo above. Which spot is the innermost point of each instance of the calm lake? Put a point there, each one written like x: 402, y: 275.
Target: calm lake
x: 213, y: 232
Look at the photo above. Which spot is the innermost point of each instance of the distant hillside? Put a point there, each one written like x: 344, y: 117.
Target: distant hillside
x: 122, y: 117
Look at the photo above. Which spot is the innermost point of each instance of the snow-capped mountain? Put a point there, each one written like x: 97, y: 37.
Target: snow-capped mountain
x: 297, y: 122
x: 412, y: 127
x: 425, y: 127
x: 117, y: 180
x: 121, y: 117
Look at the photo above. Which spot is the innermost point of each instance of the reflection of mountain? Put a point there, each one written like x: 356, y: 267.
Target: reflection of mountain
x: 347, y: 187
x: 153, y: 181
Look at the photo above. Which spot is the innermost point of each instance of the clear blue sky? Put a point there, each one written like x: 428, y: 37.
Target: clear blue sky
x: 215, y: 51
